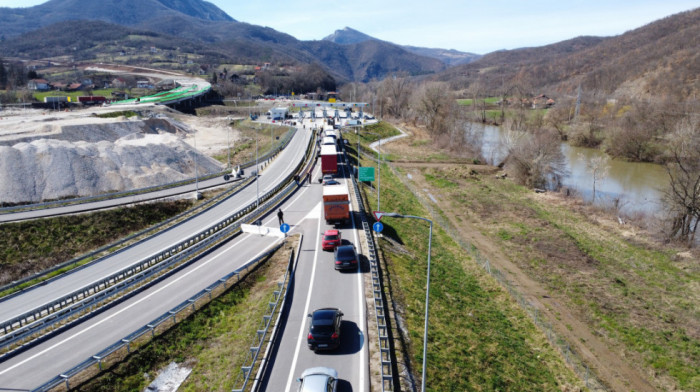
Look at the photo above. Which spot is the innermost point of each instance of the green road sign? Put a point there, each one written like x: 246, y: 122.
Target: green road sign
x: 366, y: 174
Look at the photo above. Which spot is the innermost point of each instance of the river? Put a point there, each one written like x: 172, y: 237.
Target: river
x: 638, y: 187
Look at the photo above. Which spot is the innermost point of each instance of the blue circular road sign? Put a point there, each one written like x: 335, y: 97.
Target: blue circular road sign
x: 378, y: 227
x: 284, y: 228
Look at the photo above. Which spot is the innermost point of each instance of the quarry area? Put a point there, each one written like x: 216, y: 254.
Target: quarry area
x: 48, y: 155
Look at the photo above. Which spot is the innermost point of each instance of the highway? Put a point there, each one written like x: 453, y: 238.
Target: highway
x: 41, y: 363
x: 113, y: 202
x: 268, y: 178
x: 10, y: 307
x: 315, y: 284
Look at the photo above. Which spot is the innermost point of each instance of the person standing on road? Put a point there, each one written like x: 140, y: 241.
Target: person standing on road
x: 280, y: 216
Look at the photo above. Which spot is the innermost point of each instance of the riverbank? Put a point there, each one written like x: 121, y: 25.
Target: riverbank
x: 626, y: 303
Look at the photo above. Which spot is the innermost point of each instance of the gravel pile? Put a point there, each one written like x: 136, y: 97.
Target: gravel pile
x: 48, y: 169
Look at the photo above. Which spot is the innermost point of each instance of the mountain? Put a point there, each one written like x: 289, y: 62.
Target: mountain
x: 371, y: 59
x: 200, y: 22
x: 348, y: 36
x: 449, y: 57
x: 659, y: 60
x: 14, y: 21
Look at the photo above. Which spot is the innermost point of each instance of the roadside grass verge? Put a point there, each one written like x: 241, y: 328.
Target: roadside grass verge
x: 641, y: 299
x: 479, y: 338
x: 243, y: 149
x: 30, y: 247
x: 213, y: 342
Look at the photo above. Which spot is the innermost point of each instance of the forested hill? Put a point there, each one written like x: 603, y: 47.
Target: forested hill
x: 659, y: 60
x: 60, y: 26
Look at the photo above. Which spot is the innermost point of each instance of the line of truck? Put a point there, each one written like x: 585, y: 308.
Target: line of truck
x: 336, y: 199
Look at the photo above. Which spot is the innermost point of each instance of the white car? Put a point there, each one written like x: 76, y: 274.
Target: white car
x: 318, y: 379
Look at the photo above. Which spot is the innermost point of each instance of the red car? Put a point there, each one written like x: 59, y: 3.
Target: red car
x: 331, y: 239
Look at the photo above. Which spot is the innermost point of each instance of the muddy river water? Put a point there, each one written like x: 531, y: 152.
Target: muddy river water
x: 637, y: 187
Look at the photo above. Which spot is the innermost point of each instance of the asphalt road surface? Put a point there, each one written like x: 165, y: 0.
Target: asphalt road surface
x: 316, y: 284
x: 268, y: 179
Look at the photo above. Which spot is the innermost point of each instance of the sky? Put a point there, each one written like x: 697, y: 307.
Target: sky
x: 476, y: 26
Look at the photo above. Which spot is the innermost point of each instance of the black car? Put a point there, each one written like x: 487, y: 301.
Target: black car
x: 345, y: 257
x: 324, y: 331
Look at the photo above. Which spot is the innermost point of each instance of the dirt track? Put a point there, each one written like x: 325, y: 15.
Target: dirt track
x: 608, y: 363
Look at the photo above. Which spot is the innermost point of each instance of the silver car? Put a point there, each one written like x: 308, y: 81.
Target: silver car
x: 318, y: 379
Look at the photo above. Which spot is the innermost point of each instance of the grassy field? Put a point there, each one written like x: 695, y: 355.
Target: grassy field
x: 639, y: 298
x: 479, y: 339
x: 213, y: 342
x: 643, y: 299
x: 39, y: 96
x: 268, y: 137
x: 29, y: 247
x: 469, y: 101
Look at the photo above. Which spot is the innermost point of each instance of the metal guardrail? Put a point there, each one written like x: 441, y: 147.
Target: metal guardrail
x: 25, y: 327
x: 287, y: 187
x: 82, y: 200
x: 210, y: 203
x: 386, y: 356
x: 123, y: 347
x: 259, y: 340
x: 247, y: 367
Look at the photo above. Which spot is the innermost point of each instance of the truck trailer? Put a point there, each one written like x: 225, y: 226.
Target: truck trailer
x: 336, y: 203
x: 329, y: 159
x: 92, y: 100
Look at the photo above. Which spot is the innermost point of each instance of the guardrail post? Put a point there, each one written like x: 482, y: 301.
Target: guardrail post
x: 99, y: 361
x: 128, y: 345
x: 153, y: 330
x: 63, y: 376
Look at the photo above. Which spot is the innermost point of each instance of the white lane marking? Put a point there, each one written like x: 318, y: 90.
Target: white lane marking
x: 361, y: 307
x: 132, y: 305
x: 306, y: 311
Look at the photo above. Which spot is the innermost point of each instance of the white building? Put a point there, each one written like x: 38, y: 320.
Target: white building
x: 278, y: 113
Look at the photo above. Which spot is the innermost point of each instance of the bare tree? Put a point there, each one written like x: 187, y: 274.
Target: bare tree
x: 477, y: 91
x: 536, y: 158
x: 683, y: 194
x: 598, y: 166
x: 433, y: 104
x: 397, y: 90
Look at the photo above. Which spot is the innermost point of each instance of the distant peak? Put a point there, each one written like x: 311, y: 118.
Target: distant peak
x: 348, y: 36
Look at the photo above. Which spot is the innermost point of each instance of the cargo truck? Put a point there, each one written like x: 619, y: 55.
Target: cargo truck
x: 329, y: 159
x: 92, y: 100
x: 336, y: 203
x: 53, y: 99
